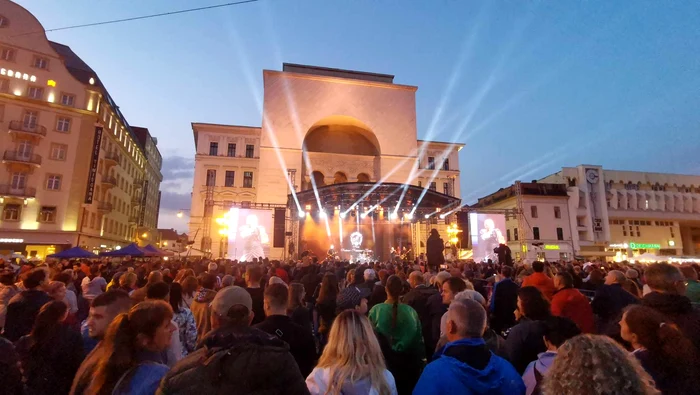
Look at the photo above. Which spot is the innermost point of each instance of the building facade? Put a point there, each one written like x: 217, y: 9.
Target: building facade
x: 320, y: 126
x: 71, y: 163
x: 622, y: 214
x: 149, y: 206
x: 604, y: 214
x: 537, y: 220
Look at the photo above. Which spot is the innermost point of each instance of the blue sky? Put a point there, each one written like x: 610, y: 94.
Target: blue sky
x: 529, y: 86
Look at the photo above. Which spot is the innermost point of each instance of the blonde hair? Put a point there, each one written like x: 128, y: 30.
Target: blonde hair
x: 353, y: 354
x: 594, y: 364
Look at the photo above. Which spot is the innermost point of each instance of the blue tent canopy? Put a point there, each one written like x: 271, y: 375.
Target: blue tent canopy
x: 130, y: 250
x: 75, y: 252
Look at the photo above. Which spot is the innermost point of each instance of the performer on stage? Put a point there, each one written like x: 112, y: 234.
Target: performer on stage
x: 253, y: 236
x: 331, y: 252
x: 492, y: 237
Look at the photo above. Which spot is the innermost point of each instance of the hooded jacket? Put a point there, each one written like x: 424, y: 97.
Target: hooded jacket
x: 679, y: 309
x: 467, y: 366
x: 318, y: 383
x: 542, y: 364
x: 236, y: 360
x: 201, y: 311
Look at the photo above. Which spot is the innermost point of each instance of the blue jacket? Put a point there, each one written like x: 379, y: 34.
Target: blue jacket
x: 468, y: 367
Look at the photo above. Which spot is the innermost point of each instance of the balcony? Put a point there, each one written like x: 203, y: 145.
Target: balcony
x: 134, y: 219
x: 138, y: 183
x: 109, y: 181
x: 135, y: 201
x: 111, y: 158
x: 104, y: 207
x: 30, y: 129
x: 7, y: 190
x: 21, y: 157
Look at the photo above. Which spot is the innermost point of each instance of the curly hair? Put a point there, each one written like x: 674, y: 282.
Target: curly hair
x: 596, y: 365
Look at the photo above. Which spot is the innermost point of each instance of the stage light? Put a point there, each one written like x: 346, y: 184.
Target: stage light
x: 427, y: 216
x: 308, y: 207
x: 442, y: 216
x: 302, y: 214
x: 363, y: 215
x: 343, y: 215
x: 393, y: 215
x: 322, y: 214
x: 409, y: 216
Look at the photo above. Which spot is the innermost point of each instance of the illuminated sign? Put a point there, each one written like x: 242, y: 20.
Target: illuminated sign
x: 643, y: 246
x: 551, y: 246
x: 17, y: 74
x: 51, y: 83
x: 11, y: 240
x: 619, y: 245
x: 92, y: 174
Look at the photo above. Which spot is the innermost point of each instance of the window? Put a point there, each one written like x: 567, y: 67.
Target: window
x: 213, y: 149
x: 515, y: 234
x: 446, y: 164
x: 34, y: 92
x: 638, y: 233
x: 4, y: 22
x: 47, y: 214
x: 92, y: 221
x: 247, y: 179
x: 557, y: 212
x: 507, y: 234
x: 231, y: 149
x: 67, y: 100
x: 211, y: 178
x: 433, y: 186
x: 230, y: 175
x: 533, y: 211
x: 58, y: 151
x: 420, y: 184
x: 560, y: 234
x: 40, y: 63
x: 53, y: 182
x: 624, y: 230
x: 249, y: 151
x: 4, y: 85
x: 446, y: 188
x: 18, y: 180
x: 11, y: 212
x: 63, y: 124
x: 536, y: 233
x: 7, y: 54
x: 431, y: 163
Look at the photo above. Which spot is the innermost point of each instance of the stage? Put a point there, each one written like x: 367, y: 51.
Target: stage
x: 364, y: 221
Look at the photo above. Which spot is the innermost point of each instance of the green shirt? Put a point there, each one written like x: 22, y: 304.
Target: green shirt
x: 406, y: 335
x: 692, y: 291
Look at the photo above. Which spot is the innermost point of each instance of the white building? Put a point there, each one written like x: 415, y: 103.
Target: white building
x: 616, y: 214
x: 320, y: 126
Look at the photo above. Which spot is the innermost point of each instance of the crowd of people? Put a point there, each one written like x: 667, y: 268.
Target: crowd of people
x: 331, y: 327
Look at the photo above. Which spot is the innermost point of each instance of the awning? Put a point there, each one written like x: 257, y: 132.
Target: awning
x: 596, y: 253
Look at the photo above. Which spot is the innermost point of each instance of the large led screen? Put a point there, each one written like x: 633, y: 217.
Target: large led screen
x: 487, y: 232
x: 249, y: 233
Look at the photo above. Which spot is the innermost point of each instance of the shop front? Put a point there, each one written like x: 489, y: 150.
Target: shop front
x: 543, y: 251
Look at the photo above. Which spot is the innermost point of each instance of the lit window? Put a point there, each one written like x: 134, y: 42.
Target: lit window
x: 67, y: 100
x: 58, y: 151
x: 11, y: 212
x: 34, y: 92
x: 40, y: 63
x: 47, y: 214
x: 53, y: 183
x: 63, y: 124
x: 7, y: 54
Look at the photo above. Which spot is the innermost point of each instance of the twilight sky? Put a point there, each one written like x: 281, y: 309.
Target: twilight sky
x: 529, y: 86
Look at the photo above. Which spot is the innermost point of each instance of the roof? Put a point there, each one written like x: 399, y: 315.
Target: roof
x: 339, y: 73
x: 195, y: 125
x: 460, y: 145
x: 526, y: 188
x: 386, y: 194
x: 168, y: 234
x: 82, y: 72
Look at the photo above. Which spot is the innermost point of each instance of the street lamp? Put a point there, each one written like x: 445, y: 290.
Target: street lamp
x: 144, y: 235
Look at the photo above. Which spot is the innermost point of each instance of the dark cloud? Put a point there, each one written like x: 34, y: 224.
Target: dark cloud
x: 177, y: 168
x: 175, y: 201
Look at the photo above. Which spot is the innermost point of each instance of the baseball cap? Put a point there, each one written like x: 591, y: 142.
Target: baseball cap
x: 229, y: 297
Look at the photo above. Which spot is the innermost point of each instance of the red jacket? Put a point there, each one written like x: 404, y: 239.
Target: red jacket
x: 570, y: 303
x: 541, y: 282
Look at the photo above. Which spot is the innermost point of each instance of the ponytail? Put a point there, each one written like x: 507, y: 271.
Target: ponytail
x: 120, y: 347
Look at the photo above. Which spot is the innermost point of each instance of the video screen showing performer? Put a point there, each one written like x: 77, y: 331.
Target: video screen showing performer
x: 248, y: 234
x: 487, y: 233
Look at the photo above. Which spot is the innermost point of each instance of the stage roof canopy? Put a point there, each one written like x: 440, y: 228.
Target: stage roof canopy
x: 368, y: 194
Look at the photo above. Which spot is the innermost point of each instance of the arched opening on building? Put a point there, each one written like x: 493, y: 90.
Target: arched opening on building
x: 363, y: 177
x: 339, y: 178
x: 319, y: 178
